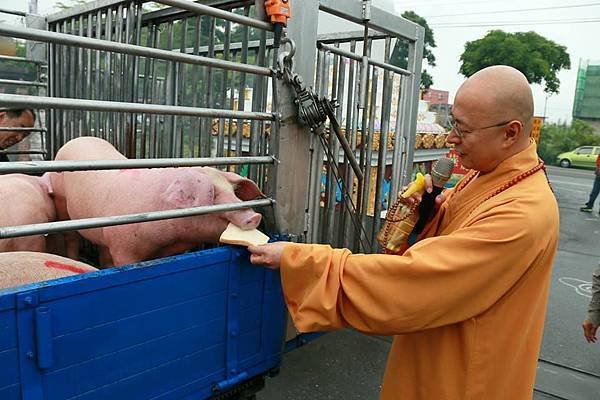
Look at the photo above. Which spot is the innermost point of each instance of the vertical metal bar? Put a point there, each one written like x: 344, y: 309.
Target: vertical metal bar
x: 117, y: 84
x: 333, y: 148
x: 80, y: 89
x: 399, y: 145
x: 258, y: 93
x: 340, y: 95
x: 370, y: 134
x: 74, y: 76
x: 196, y: 94
x: 319, y: 213
x: 52, y: 79
x: 137, y: 12
x: 351, y: 128
x: 206, y: 134
x: 178, y: 136
x: 88, y: 76
x: 241, y: 90
x: 127, y: 80
x: 224, y: 84
x: 107, y: 75
x: 97, y: 87
x: 170, y: 94
x: 415, y: 59
x: 65, y: 115
x: 257, y: 172
x: 231, y: 106
x: 146, y: 91
x: 362, y: 106
x: 386, y: 105
x: 154, y: 93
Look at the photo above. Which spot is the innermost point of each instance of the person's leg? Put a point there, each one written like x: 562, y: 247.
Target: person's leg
x: 593, y: 195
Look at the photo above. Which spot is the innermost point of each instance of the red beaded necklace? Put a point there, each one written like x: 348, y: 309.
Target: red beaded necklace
x: 473, y: 174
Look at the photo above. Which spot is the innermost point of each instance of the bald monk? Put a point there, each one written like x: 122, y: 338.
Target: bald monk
x: 466, y: 303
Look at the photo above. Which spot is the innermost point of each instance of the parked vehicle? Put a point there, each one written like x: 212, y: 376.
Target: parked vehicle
x: 584, y: 156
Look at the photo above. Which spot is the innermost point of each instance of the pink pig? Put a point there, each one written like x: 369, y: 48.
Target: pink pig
x: 118, y: 192
x: 22, y: 267
x: 24, y: 200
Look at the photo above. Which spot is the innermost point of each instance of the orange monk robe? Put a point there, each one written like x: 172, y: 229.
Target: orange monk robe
x: 466, y: 305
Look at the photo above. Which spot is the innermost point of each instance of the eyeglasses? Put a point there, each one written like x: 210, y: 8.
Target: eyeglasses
x: 461, y: 132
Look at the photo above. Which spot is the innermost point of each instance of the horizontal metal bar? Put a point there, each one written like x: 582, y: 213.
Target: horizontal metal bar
x: 217, y: 12
x: 20, y: 59
x: 21, y: 83
x: 131, y: 49
x: 344, y: 37
x: 82, y: 9
x: 77, y: 224
x: 218, y: 48
x: 85, y: 165
x: 23, y: 101
x: 380, y: 20
x: 22, y: 152
x: 354, y: 56
x: 19, y: 129
x: 171, y: 14
x: 13, y: 12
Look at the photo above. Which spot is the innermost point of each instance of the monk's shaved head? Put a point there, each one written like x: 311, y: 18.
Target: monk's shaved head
x: 499, y: 93
x: 493, y: 116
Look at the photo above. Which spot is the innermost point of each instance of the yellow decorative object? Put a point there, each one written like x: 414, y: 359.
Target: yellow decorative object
x: 418, y: 140
x: 400, y: 220
x: 428, y: 141
x: 440, y: 140
x: 418, y: 185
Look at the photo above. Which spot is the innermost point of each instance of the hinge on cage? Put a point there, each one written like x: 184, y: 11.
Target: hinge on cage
x: 366, y: 10
x: 307, y: 218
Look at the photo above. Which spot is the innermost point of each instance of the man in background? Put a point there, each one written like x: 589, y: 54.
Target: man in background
x: 589, y: 206
x: 15, y: 118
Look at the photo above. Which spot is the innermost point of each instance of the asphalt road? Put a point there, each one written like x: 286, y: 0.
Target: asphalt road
x: 348, y: 365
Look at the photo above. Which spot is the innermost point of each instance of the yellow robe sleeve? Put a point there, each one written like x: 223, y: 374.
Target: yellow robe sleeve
x: 438, y: 281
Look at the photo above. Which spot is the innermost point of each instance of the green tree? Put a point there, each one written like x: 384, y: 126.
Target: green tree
x: 399, y: 55
x: 559, y: 138
x: 538, y: 58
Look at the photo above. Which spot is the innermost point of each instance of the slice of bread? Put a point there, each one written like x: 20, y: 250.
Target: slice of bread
x: 235, y: 235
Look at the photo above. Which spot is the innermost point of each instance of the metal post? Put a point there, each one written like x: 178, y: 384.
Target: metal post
x: 294, y: 140
x: 415, y: 59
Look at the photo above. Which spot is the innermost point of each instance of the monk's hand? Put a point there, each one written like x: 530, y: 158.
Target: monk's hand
x: 417, y: 197
x: 268, y: 254
x: 589, y: 331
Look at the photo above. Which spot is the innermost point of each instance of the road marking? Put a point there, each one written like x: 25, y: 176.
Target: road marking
x: 582, y: 288
x: 570, y: 183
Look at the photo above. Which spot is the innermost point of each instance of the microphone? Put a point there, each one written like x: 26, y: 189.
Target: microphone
x: 440, y: 173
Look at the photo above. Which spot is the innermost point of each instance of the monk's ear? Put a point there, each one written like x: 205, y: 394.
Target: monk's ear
x: 513, y: 132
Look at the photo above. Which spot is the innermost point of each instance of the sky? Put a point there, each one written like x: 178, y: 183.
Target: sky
x: 562, y: 21
x: 543, y: 17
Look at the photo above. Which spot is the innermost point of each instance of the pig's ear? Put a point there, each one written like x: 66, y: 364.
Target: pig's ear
x: 46, y: 183
x: 244, y: 188
x: 248, y: 190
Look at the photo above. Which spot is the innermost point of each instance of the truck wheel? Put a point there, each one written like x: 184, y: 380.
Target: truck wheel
x: 565, y: 163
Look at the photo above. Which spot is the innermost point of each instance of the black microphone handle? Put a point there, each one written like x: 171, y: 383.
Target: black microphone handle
x: 426, y: 208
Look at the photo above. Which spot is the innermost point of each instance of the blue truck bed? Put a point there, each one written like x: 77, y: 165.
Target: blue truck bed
x: 183, y: 327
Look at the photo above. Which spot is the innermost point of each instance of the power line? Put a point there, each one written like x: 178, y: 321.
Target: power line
x: 440, y: 3
x: 513, y: 23
x: 517, y: 10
